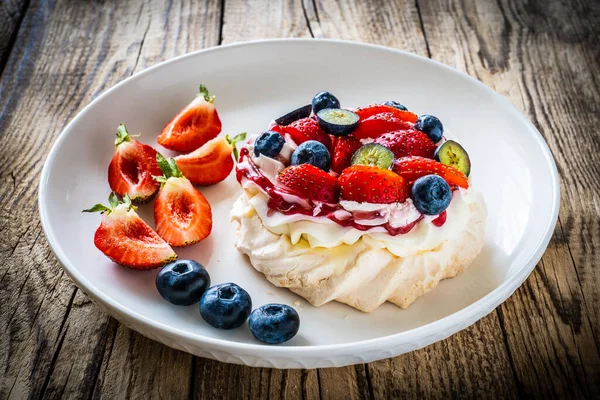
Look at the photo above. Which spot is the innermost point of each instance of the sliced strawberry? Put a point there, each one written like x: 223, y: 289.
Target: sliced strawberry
x: 412, y: 168
x: 212, y: 162
x: 343, y: 149
x: 310, y: 182
x: 307, y: 129
x: 132, y: 167
x: 368, y: 184
x: 126, y: 239
x: 181, y: 213
x: 378, y: 124
x: 369, y: 111
x: 407, y: 143
x: 193, y: 126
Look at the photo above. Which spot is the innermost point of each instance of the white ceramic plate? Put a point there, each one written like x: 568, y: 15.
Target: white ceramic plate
x: 254, y: 83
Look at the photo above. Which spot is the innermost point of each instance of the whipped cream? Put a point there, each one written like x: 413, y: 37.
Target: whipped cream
x: 323, y: 232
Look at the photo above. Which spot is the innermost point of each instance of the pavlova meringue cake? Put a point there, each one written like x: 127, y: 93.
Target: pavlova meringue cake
x: 360, y: 207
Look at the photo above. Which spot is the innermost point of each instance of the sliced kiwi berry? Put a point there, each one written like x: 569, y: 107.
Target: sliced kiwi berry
x: 373, y: 154
x: 295, y: 115
x: 337, y: 121
x: 453, y: 154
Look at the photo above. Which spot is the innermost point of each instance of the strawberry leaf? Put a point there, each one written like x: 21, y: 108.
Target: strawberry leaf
x: 164, y: 165
x: 203, y: 91
x: 175, y: 172
x: 127, y: 202
x: 98, y: 208
x: 113, y: 199
x: 233, y: 142
x: 169, y: 168
x: 122, y: 135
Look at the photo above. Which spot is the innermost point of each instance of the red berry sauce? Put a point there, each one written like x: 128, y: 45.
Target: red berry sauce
x: 277, y: 202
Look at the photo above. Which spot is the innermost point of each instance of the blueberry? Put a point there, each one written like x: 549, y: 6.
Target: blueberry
x: 324, y: 100
x: 268, y: 144
x: 225, y: 306
x: 274, y: 323
x: 312, y: 152
x: 182, y: 282
x: 395, y: 104
x: 431, y: 194
x: 431, y: 126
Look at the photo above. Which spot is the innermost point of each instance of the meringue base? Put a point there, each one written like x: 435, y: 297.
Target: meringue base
x: 363, y: 275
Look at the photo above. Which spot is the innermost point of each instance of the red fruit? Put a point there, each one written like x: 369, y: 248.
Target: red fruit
x: 132, y: 167
x: 368, y: 111
x: 310, y: 182
x: 211, y: 163
x: 343, y: 149
x: 378, y: 124
x: 181, y: 213
x: 307, y: 129
x: 193, y: 126
x: 407, y: 143
x: 412, y: 168
x: 368, y: 184
x: 127, y: 240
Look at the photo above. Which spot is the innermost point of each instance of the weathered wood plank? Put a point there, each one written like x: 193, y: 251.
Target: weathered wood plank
x: 11, y: 14
x: 263, y: 19
x: 471, y: 364
x: 215, y: 380
x: 543, y: 56
x: 57, y: 343
x: 389, y: 23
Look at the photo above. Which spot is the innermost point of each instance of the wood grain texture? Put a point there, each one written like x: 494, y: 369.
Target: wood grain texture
x: 543, y: 57
x: 11, y: 15
x: 543, y: 342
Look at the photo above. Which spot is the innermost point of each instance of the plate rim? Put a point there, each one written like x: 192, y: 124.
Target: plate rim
x: 444, y: 327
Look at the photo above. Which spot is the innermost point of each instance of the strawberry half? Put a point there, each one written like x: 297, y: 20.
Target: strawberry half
x: 307, y: 129
x: 343, y: 149
x: 132, y: 167
x: 368, y: 184
x: 310, y: 182
x: 181, y: 213
x: 407, y: 143
x: 193, y: 126
x: 368, y: 111
x: 126, y: 239
x: 378, y: 124
x: 412, y: 168
x: 212, y: 162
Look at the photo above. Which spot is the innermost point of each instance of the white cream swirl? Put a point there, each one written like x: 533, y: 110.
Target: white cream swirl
x: 323, y: 232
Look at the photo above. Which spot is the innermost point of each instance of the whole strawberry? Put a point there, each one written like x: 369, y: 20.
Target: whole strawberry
x: 126, y: 239
x: 407, y: 143
x: 369, y: 184
x: 310, y: 182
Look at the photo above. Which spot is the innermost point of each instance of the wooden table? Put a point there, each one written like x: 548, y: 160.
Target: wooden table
x: 58, y: 55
